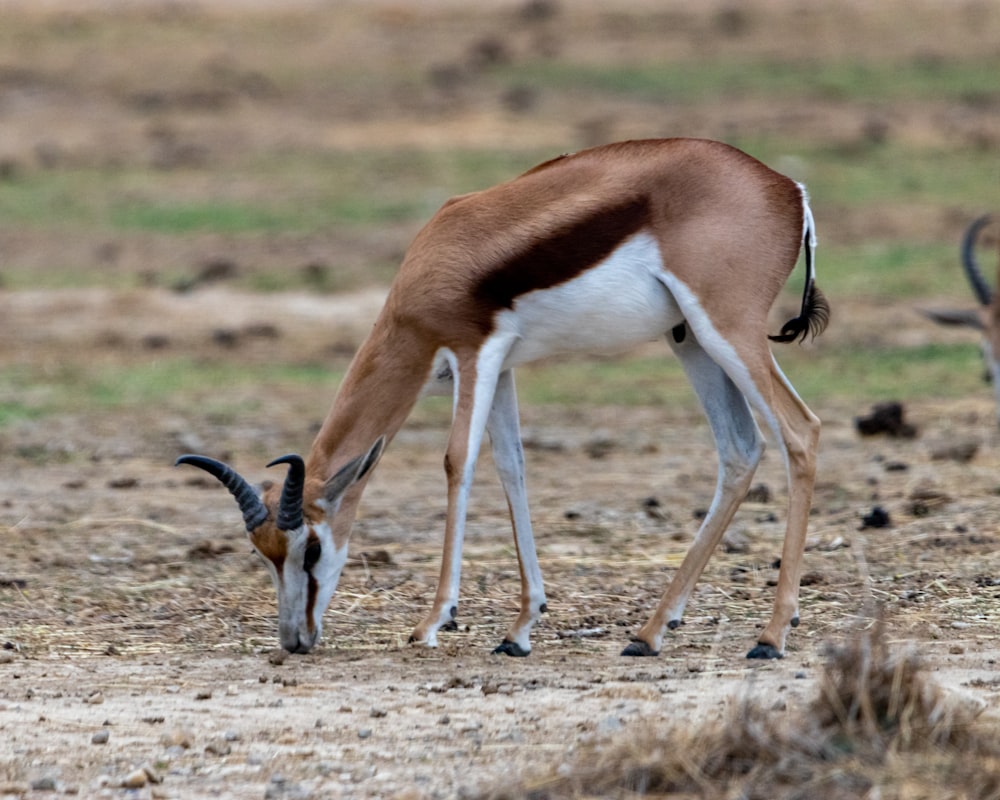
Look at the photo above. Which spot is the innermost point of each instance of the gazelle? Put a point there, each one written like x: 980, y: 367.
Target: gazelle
x: 686, y: 239
x: 986, y: 317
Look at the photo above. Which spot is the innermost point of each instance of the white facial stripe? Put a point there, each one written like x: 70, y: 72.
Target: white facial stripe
x: 304, y: 596
x: 327, y: 573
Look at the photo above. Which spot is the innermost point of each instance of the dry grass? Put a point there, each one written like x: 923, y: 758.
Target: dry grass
x: 878, y: 728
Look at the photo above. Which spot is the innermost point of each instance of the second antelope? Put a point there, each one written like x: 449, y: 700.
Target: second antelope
x: 686, y: 239
x: 986, y: 316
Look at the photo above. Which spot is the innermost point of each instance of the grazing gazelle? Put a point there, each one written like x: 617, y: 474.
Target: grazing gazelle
x: 986, y: 317
x: 686, y: 239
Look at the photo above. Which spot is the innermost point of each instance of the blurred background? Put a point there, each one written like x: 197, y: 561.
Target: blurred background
x: 254, y: 148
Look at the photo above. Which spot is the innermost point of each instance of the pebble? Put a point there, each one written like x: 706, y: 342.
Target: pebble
x: 177, y: 738
x: 218, y: 747
x: 100, y: 737
x: 136, y: 779
x: 364, y: 733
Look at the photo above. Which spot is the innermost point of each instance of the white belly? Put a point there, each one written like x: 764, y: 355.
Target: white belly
x: 615, y: 305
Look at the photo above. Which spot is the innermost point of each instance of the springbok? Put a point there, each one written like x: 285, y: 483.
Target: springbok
x: 686, y: 239
x: 986, y: 317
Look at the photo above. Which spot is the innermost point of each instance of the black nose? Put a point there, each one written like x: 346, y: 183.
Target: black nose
x: 296, y: 646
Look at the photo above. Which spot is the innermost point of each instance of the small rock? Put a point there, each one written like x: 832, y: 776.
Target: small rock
x: 277, y: 656
x: 203, y: 694
x: 886, y: 418
x: 654, y: 510
x: 44, y: 784
x: 177, y: 738
x: 961, y: 452
x: 135, y: 779
x: 600, y: 446
x: 377, y: 713
x: 364, y: 733
x: 877, y: 518
x: 735, y: 542
x: 100, y: 737
x: 94, y: 699
x: 609, y: 725
x: 218, y: 747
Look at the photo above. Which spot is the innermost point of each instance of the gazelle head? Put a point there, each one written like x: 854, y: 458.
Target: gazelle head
x: 290, y: 528
x: 985, y: 317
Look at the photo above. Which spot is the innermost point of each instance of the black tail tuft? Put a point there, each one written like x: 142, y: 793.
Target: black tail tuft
x: 812, y: 321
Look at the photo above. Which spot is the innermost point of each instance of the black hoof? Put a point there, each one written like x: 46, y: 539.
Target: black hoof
x: 637, y: 647
x: 509, y: 648
x: 450, y: 625
x: 763, y: 650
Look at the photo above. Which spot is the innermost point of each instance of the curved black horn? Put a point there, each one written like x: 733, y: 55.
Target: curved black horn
x: 254, y: 511
x: 972, y: 270
x: 290, y: 507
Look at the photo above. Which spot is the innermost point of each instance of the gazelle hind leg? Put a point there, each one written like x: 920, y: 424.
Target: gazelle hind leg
x: 740, y: 447
x: 504, y: 429
x: 797, y: 428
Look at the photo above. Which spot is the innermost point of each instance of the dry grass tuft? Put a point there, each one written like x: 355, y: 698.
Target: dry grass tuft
x: 879, y: 728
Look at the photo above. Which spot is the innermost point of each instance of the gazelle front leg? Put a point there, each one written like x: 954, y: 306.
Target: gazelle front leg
x: 475, y: 383
x: 508, y: 456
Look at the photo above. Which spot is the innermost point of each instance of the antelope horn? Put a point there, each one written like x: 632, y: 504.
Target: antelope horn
x: 972, y: 269
x: 290, y: 506
x: 254, y: 511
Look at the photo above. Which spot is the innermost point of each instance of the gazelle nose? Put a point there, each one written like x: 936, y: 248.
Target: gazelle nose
x: 294, y: 642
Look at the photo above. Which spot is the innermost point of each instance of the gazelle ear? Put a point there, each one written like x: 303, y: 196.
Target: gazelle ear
x: 351, y: 473
x: 968, y: 318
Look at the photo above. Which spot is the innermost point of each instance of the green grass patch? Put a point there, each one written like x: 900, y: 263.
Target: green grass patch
x: 891, y: 270
x: 197, y: 217
x: 845, y: 375
x: 875, y: 373
x: 34, y: 393
x: 681, y: 82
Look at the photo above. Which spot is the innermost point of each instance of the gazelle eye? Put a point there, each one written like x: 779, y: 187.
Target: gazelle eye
x: 313, y: 552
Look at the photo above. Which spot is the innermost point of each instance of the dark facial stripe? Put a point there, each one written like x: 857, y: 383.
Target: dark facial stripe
x: 564, y: 255
x: 312, y: 591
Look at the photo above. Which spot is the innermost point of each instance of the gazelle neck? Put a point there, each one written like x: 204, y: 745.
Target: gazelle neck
x: 377, y: 394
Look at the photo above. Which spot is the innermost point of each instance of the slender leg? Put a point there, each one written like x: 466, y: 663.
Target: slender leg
x: 740, y: 447
x: 475, y: 384
x: 798, y: 430
x: 508, y: 456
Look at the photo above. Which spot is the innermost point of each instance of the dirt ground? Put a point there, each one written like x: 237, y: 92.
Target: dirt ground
x: 138, y: 633
x: 134, y: 608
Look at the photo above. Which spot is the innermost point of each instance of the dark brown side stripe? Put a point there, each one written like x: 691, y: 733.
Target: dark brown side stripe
x: 563, y: 256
